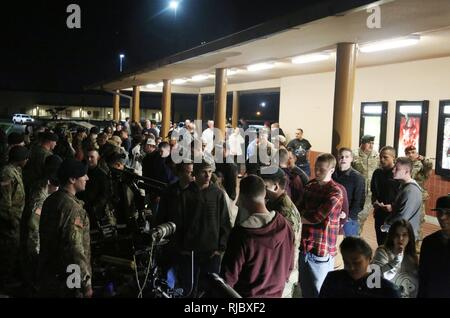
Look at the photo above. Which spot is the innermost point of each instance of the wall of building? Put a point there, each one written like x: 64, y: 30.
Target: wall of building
x: 307, y: 102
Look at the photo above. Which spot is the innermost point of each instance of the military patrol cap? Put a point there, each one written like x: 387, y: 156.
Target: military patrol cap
x: 15, y: 138
x: 367, y: 138
x: 71, y: 168
x: 18, y: 153
x: 48, y: 135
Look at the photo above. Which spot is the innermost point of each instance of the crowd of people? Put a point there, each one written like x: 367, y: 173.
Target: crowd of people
x: 277, y: 232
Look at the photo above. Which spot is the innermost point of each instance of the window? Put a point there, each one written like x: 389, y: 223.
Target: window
x: 411, y: 122
x: 373, y: 122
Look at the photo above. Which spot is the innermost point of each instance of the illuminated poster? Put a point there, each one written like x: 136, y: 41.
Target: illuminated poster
x: 409, y: 134
x: 411, y: 123
x: 446, y: 145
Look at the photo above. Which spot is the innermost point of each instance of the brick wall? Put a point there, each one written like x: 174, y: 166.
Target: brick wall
x: 436, y: 185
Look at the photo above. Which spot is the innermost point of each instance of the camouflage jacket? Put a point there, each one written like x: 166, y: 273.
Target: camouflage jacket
x: 38, y: 197
x: 12, y: 201
x: 287, y: 208
x: 64, y: 241
x: 365, y: 164
x: 421, y: 172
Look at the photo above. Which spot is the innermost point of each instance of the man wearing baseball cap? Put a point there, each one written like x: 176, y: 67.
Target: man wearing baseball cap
x: 12, y: 202
x: 434, y: 266
x: 64, y: 236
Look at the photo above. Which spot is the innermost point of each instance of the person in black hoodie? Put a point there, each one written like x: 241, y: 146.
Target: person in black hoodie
x: 203, y: 229
x: 434, y: 265
x: 354, y: 281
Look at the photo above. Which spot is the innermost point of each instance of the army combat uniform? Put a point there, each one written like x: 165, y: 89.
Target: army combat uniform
x: 421, y: 172
x: 12, y: 202
x: 365, y: 164
x: 64, y: 242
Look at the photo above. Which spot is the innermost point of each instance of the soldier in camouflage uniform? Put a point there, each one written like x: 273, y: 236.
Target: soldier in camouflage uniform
x: 65, y: 254
x: 366, y: 161
x: 34, y: 170
x: 12, y: 202
x: 279, y: 201
x: 421, y: 173
x: 29, y: 243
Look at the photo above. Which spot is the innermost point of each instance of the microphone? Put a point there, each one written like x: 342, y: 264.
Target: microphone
x: 161, y: 231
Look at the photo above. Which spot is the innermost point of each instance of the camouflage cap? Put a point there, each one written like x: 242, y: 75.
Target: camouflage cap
x: 367, y: 138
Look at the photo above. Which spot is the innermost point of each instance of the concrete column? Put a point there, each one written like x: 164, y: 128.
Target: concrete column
x: 116, y: 107
x: 220, y: 100
x: 166, y: 108
x: 235, y: 113
x: 136, y: 106
x: 200, y: 107
x: 343, y: 96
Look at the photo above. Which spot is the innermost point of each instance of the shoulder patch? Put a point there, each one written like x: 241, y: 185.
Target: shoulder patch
x: 5, y: 183
x: 78, y: 222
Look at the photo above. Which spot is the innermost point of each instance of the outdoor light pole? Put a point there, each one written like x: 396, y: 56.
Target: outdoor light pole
x: 121, y: 56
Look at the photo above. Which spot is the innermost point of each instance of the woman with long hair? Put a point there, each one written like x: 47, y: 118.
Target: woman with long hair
x: 398, y: 259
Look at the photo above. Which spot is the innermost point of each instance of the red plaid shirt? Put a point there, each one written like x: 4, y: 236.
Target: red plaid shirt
x: 321, y: 205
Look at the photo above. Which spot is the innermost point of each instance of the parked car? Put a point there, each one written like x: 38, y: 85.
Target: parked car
x: 22, y: 119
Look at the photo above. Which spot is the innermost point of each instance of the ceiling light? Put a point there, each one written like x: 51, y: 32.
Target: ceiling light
x: 389, y: 44
x: 199, y: 78
x: 260, y: 67
x: 160, y: 84
x: 150, y: 86
x: 310, y: 58
x: 179, y: 81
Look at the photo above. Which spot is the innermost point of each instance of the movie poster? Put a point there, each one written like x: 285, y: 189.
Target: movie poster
x: 409, y: 134
x: 446, y: 145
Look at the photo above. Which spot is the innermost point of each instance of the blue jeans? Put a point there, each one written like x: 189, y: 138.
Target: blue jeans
x: 312, y: 272
x: 306, y: 168
x: 351, y: 228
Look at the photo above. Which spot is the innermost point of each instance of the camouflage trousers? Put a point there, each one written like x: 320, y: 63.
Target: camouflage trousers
x: 364, y: 214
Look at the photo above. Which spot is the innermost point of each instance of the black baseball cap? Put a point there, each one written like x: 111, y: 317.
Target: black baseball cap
x: 442, y: 203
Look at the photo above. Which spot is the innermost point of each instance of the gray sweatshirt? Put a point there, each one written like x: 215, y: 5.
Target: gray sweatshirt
x: 407, y: 206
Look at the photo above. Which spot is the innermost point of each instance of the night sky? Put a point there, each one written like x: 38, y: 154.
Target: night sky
x: 40, y: 53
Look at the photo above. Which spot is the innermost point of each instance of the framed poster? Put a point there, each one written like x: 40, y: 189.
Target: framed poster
x: 411, y: 121
x: 443, y: 140
x: 373, y: 122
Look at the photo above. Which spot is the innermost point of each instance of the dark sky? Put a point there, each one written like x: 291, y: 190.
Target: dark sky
x: 39, y: 52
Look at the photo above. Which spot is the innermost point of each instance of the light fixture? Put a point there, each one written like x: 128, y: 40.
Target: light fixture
x: 150, y: 86
x: 263, y: 104
x: 179, y: 81
x: 389, y: 44
x: 310, y: 58
x: 260, y: 67
x: 174, y: 5
x: 160, y: 84
x: 258, y: 113
x: 231, y: 72
x: 199, y: 78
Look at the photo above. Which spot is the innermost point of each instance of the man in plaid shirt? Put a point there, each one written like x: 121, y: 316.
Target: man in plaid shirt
x: 320, y: 209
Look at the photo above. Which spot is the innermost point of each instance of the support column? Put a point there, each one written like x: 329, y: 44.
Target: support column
x: 136, y: 106
x: 166, y: 108
x: 200, y: 107
x: 116, y: 106
x: 235, y: 113
x: 220, y: 100
x: 343, y: 96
